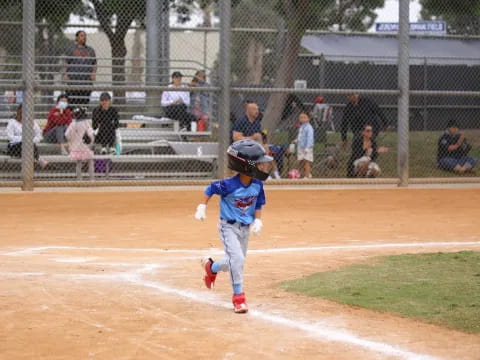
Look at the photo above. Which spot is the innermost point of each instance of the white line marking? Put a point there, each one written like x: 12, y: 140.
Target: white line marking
x: 215, y: 251
x: 369, y: 246
x: 323, y: 333
x: 320, y: 332
x: 75, y: 260
x: 20, y: 274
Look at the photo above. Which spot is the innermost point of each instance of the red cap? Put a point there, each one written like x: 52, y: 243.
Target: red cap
x: 319, y: 99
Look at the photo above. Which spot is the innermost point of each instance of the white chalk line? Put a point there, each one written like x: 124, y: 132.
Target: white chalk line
x: 321, y: 332
x: 216, y: 251
x: 317, y: 331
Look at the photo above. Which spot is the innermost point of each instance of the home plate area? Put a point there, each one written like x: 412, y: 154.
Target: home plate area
x: 120, y: 303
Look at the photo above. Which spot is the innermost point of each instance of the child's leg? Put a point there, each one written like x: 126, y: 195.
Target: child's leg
x: 302, y: 166
x: 79, y: 170
x: 90, y: 168
x: 235, y: 242
x: 308, y: 168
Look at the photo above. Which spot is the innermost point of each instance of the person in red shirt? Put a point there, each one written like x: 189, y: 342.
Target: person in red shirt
x: 59, y: 117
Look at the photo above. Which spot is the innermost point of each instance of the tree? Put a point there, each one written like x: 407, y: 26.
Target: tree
x: 115, y: 18
x: 253, y: 51
x: 462, y: 16
x: 50, y: 39
x: 300, y: 15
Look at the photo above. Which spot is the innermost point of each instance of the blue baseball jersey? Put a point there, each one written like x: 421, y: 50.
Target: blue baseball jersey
x: 238, y: 202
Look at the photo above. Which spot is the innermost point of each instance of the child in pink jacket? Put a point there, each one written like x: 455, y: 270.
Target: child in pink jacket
x: 79, y: 150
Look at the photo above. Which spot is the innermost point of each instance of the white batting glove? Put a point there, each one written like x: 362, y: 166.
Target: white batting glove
x: 256, y: 227
x: 201, y: 213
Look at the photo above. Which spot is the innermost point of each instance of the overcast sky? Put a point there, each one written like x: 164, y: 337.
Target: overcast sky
x: 389, y: 13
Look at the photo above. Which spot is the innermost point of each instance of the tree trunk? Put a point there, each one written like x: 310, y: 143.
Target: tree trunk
x: 119, y: 51
x: 284, y: 78
x: 254, y: 62
x: 136, y: 72
x: 207, y: 16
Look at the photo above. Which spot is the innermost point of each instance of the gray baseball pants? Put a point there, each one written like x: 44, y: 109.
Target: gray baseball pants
x: 235, y: 242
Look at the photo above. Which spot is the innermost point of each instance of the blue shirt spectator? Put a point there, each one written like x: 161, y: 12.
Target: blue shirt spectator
x: 249, y: 126
x: 305, y: 136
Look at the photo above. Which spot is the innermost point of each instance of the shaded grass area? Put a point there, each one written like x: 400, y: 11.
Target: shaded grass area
x: 439, y: 288
x: 423, y: 154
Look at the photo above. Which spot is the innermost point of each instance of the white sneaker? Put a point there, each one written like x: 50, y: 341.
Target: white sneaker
x: 63, y: 151
x: 43, y: 164
x: 103, y: 151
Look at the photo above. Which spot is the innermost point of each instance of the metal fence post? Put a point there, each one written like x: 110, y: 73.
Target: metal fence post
x: 225, y: 84
x: 403, y: 85
x: 156, y: 51
x: 28, y: 69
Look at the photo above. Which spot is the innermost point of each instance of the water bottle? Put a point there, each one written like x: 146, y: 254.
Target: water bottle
x: 118, y: 143
x: 193, y: 126
x: 292, y: 148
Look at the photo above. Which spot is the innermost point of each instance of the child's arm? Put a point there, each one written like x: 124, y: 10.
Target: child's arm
x: 257, y: 223
x: 201, y: 213
x: 218, y: 187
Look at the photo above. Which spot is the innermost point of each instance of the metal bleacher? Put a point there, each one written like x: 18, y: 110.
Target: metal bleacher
x: 152, y: 148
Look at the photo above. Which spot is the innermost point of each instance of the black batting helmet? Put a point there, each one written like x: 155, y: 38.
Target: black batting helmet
x: 244, y: 155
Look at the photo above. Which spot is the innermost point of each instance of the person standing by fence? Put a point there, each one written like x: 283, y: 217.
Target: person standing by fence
x: 359, y: 112
x: 81, y: 69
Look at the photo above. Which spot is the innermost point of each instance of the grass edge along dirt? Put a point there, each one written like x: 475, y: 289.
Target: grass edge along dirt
x: 438, y: 288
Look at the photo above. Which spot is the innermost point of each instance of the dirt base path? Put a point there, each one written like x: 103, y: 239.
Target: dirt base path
x: 116, y: 275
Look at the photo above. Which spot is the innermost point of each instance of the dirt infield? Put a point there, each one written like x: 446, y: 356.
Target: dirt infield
x: 116, y: 275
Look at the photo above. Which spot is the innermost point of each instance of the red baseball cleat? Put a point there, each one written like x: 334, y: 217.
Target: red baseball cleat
x: 239, y: 303
x: 210, y: 276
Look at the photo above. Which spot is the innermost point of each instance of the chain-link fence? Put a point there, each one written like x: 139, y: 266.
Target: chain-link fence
x: 113, y: 70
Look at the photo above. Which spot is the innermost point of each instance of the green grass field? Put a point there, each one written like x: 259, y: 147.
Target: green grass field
x: 423, y: 155
x: 439, y: 288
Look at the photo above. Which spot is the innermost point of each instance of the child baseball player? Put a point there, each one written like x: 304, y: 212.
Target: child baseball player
x: 242, y: 198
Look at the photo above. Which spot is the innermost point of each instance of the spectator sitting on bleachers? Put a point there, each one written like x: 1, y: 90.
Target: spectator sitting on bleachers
x: 175, y: 102
x: 58, y: 119
x: 364, y: 153
x: 453, y: 150
x: 105, y: 122
x: 249, y: 126
x: 276, y: 152
x: 200, y: 101
x: 14, y: 134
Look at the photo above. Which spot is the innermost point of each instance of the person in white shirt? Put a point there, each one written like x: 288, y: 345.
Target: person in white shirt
x: 14, y: 134
x: 175, y: 102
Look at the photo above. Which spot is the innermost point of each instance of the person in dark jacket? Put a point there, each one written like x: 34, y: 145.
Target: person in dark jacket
x: 105, y: 122
x: 364, y: 153
x: 453, y: 149
x: 359, y: 112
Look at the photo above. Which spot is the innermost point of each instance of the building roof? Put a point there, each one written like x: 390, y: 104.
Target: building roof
x: 384, y: 49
